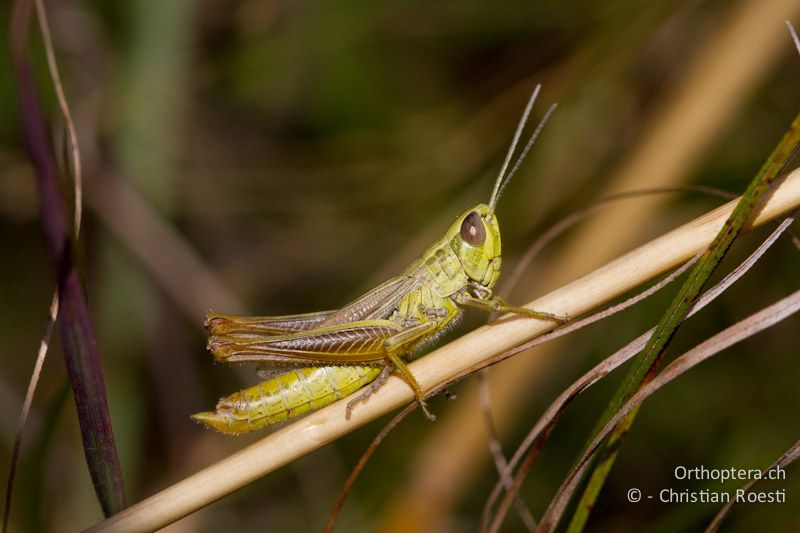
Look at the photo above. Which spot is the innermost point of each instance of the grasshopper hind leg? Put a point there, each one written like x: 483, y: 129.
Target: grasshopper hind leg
x: 401, y: 367
x: 373, y: 387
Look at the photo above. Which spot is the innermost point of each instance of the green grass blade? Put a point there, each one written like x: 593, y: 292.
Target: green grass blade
x: 646, y: 363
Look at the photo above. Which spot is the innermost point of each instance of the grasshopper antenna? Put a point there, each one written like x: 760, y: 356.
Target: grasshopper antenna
x: 502, y: 178
x: 498, y: 184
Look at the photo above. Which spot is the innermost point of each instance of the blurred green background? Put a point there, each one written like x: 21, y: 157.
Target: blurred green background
x: 283, y: 157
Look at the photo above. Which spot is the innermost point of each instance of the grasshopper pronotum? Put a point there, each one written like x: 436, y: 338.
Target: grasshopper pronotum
x: 313, y: 359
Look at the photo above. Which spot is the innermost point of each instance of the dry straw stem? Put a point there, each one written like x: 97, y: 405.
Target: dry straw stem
x: 468, y: 351
x: 741, y: 49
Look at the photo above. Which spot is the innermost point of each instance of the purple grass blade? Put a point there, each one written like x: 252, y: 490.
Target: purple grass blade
x: 77, y: 334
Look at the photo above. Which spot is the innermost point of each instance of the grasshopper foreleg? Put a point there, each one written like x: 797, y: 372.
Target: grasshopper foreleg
x: 495, y: 304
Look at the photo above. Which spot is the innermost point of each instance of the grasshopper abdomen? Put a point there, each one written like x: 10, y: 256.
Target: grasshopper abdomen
x: 286, y: 396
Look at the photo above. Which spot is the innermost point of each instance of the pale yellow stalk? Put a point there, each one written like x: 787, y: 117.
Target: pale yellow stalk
x: 328, y: 424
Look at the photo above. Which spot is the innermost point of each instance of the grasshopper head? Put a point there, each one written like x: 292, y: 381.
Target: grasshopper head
x: 475, y: 235
x: 475, y: 238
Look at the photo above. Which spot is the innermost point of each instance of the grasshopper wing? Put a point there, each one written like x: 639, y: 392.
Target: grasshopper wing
x: 377, y: 303
x: 343, y: 344
x: 352, y: 334
x: 222, y: 324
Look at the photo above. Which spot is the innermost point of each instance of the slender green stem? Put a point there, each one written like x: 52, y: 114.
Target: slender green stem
x: 646, y: 364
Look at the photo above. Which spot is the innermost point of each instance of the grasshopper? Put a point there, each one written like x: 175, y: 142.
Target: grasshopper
x: 310, y: 360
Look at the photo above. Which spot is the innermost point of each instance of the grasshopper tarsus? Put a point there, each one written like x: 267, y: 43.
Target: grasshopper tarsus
x: 558, y: 319
x: 430, y: 416
x: 360, y: 398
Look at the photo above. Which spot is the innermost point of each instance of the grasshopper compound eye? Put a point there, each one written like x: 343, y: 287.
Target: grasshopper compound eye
x: 472, y: 230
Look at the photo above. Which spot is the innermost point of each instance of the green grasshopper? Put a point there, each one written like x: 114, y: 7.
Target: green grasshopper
x: 310, y: 360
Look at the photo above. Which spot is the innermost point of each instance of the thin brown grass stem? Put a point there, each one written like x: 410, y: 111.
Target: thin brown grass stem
x: 531, y: 253
x: 72, y: 135
x: 365, y: 457
x: 791, y: 455
x: 538, y: 434
x: 496, y: 449
x: 77, y: 183
x: 743, y: 329
x: 572, y: 219
x: 26, y: 406
x: 505, y: 475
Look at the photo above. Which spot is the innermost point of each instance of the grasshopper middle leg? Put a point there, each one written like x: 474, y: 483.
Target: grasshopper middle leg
x: 396, y: 346
x: 373, y: 387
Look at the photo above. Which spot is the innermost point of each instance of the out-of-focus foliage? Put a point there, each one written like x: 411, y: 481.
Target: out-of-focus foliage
x: 305, y: 151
